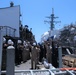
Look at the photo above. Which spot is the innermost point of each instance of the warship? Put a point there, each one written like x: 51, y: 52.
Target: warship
x: 20, y: 54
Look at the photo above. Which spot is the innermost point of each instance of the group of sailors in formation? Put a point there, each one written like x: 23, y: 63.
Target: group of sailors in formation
x: 35, y: 51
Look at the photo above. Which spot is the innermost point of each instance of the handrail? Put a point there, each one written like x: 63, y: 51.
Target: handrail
x: 8, y: 30
x: 7, y: 27
x: 59, y: 71
x: 63, y: 69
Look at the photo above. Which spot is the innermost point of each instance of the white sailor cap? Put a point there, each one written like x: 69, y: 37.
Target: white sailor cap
x: 24, y: 42
x: 10, y: 41
x: 34, y: 44
x: 4, y: 40
x: 19, y: 41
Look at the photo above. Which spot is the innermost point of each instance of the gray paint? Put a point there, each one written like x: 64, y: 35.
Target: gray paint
x: 10, y: 60
x: 60, y: 56
x: 10, y: 17
x: 1, y: 41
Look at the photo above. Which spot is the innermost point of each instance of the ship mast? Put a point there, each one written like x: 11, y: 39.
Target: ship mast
x: 52, y: 17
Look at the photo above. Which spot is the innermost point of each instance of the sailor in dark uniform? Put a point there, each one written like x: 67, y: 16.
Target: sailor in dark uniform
x: 19, y: 52
x: 41, y: 52
x: 54, y: 55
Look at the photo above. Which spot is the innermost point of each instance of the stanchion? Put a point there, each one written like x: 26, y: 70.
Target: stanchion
x: 60, y: 56
x: 1, y: 41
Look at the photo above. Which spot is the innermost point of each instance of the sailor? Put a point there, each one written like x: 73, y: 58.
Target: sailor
x: 4, y: 43
x: 54, y: 55
x: 38, y: 53
x: 34, y: 56
x: 19, y: 52
x: 4, y: 54
x: 41, y: 52
x: 26, y: 52
x: 44, y: 50
x: 24, y: 43
x: 49, y: 53
x: 4, y: 40
x: 20, y: 49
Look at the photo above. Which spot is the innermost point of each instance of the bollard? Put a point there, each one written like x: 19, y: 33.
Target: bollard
x: 60, y: 56
x: 10, y: 60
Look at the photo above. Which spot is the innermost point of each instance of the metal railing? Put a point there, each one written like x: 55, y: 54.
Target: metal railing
x: 7, y: 30
x: 43, y: 72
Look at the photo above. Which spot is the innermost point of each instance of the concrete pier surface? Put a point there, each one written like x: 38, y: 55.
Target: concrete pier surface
x: 23, y: 66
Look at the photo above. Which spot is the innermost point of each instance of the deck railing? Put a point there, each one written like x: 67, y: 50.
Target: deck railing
x: 43, y: 72
x: 7, y: 30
